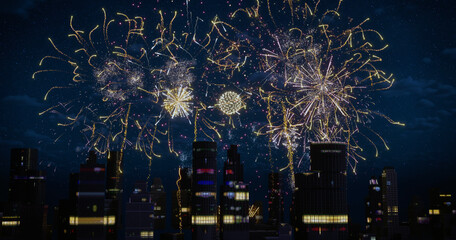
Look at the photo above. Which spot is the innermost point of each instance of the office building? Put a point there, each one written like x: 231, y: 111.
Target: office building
x: 234, y: 200
x: 114, y: 191
x: 374, y: 209
x: 390, y: 202
x: 24, y: 212
x: 320, y: 196
x: 90, y: 221
x: 275, y: 201
x: 158, y: 194
x: 139, y: 214
x: 204, y: 189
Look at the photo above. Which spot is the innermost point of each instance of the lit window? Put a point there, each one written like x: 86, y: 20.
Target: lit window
x: 205, y: 170
x: 205, y: 194
x: 205, y: 182
x: 204, y: 220
x: 325, y: 219
x: 157, y: 208
x: 185, y: 209
x: 11, y: 223
x: 228, y: 219
x: 434, y: 211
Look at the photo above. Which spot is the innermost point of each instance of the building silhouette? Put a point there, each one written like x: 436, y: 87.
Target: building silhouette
x: 390, y: 202
x: 275, y: 201
x: 234, y: 200
x: 204, y: 189
x: 139, y: 213
x: 67, y: 207
x: 114, y: 191
x: 23, y: 214
x: 90, y: 221
x: 158, y: 194
x: 442, y: 215
x: 374, y: 209
x: 320, y: 196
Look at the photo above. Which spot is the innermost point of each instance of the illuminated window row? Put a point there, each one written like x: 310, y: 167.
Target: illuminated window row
x: 434, y: 211
x: 146, y: 234
x: 445, y: 195
x: 230, y: 195
x: 185, y: 209
x: 107, y: 220
x: 205, y: 194
x: 228, y: 219
x: 242, y: 196
x: 324, y: 219
x: 204, y: 220
x: 11, y: 223
x: 205, y: 170
x: 394, y: 209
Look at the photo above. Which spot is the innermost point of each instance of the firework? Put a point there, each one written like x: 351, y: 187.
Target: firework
x: 230, y: 103
x: 178, y: 102
x: 318, y: 72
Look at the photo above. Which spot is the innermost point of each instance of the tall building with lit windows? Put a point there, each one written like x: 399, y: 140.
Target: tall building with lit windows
x: 113, y: 192
x: 23, y: 214
x: 204, y: 189
x: 234, y: 202
x: 320, y: 196
x: 139, y: 214
x: 182, y: 217
x: 157, y: 191
x: 374, y: 208
x: 390, y: 202
x: 442, y: 215
x: 91, y: 221
x: 275, y: 201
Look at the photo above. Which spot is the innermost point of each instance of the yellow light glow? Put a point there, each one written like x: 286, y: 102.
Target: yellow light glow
x: 325, y: 219
x: 204, y: 220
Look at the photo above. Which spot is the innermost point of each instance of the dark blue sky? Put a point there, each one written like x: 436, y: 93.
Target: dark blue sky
x: 422, y: 56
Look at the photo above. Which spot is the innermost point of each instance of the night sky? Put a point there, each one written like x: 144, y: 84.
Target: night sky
x: 422, y: 56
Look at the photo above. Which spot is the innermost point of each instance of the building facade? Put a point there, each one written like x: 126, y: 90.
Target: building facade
x: 320, y: 196
x: 204, y: 189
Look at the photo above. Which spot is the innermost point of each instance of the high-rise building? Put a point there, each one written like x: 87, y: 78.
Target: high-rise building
x: 418, y: 220
x: 182, y: 217
x: 23, y: 215
x: 442, y: 215
x: 275, y: 201
x: 390, y: 202
x: 234, y: 202
x: 139, y: 214
x: 204, y: 189
x: 320, y: 196
x: 157, y: 191
x: 113, y: 192
x: 90, y: 221
x: 374, y: 209
x: 68, y: 208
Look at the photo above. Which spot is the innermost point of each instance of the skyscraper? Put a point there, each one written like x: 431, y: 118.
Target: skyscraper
x: 68, y: 208
x: 139, y: 214
x: 90, y: 221
x: 275, y: 202
x: 23, y: 216
x: 390, y: 202
x: 158, y: 195
x: 234, y: 202
x: 113, y: 192
x: 204, y: 189
x: 374, y: 209
x: 320, y: 196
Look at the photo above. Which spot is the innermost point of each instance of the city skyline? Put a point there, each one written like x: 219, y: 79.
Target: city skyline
x: 420, y: 56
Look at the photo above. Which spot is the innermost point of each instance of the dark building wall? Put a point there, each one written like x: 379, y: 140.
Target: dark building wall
x: 204, y: 188
x: 275, y: 201
x: 320, y: 196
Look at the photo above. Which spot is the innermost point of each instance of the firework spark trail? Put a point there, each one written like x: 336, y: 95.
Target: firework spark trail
x: 318, y: 74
